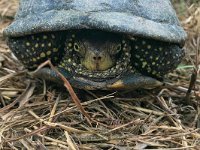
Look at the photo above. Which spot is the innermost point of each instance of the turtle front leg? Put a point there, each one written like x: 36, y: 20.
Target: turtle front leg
x: 134, y: 81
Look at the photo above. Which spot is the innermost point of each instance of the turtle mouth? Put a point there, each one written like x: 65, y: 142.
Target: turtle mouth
x: 71, y: 63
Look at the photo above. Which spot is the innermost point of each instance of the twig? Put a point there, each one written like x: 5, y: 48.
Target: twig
x: 194, y: 74
x: 69, y: 88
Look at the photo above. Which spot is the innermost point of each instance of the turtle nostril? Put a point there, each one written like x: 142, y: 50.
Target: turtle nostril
x: 97, y: 58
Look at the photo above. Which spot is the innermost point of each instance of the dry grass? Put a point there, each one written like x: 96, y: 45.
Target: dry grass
x: 35, y: 115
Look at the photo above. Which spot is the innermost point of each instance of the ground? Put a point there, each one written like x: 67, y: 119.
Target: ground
x: 36, y: 115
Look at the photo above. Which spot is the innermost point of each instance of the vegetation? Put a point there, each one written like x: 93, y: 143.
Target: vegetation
x: 34, y: 115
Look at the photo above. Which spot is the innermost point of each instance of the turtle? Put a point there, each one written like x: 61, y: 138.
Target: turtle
x: 99, y: 44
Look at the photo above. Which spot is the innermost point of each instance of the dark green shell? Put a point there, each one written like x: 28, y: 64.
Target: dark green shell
x: 154, y: 19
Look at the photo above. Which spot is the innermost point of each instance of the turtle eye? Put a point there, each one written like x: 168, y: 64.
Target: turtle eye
x: 115, y: 49
x: 76, y: 47
x: 119, y: 47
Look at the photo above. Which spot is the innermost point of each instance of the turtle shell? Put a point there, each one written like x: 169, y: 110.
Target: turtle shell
x: 155, y: 19
x: 151, y: 28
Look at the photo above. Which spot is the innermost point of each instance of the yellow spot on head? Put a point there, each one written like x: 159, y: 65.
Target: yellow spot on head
x: 90, y: 75
x: 70, y: 44
x: 53, y: 36
x: 137, y: 56
x: 73, y: 35
x: 55, y: 49
x: 49, y: 44
x: 133, y: 39
x: 154, y: 72
x: 42, y: 55
x: 144, y: 64
x: 28, y: 44
x: 69, y: 60
x: 149, y: 46
x: 44, y: 37
x: 36, y: 45
x: 143, y: 42
x: 149, y: 69
x: 127, y: 54
x: 48, y: 52
x: 69, y: 69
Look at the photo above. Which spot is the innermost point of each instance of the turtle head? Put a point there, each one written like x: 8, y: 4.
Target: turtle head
x: 96, y: 51
x: 96, y: 54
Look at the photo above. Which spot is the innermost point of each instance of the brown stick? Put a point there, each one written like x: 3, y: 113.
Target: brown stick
x: 69, y: 88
